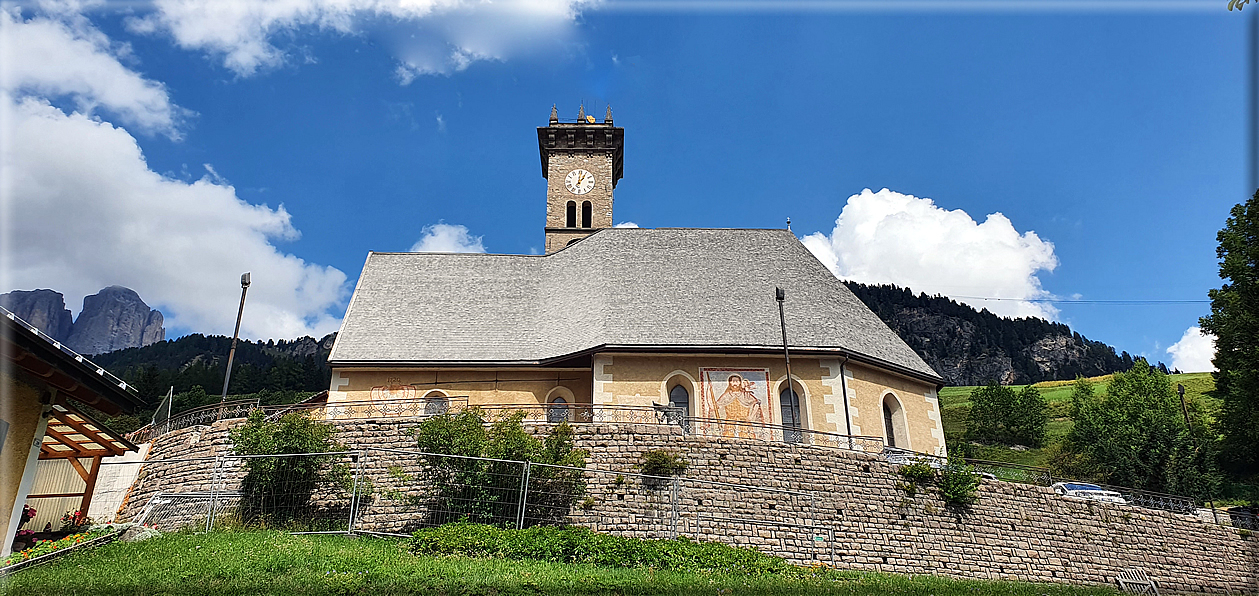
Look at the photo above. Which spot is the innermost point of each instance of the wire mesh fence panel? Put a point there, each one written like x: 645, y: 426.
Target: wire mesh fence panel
x: 628, y: 505
x: 170, y: 512
x: 412, y: 490
x: 294, y: 492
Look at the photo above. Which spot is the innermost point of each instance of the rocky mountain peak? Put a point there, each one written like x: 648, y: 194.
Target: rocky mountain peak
x: 45, y: 309
x: 112, y: 319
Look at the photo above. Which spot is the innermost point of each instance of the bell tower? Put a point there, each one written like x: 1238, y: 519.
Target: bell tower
x: 582, y: 162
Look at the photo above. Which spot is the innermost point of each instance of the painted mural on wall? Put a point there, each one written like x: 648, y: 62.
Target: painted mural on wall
x: 393, y: 390
x: 737, y: 395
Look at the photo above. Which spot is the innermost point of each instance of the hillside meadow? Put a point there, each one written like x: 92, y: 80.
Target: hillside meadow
x: 955, y: 406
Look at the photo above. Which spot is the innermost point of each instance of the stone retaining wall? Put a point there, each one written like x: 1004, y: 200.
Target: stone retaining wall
x: 1014, y: 532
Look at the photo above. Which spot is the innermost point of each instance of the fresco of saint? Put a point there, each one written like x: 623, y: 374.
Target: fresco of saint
x: 737, y: 395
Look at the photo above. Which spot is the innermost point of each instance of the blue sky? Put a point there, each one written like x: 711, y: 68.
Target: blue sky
x: 1112, y: 141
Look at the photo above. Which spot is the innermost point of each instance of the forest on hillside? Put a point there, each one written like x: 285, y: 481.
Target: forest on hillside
x: 193, y: 367
x: 972, y: 347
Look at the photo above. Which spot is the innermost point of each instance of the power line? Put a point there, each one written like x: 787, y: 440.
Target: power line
x: 1069, y: 301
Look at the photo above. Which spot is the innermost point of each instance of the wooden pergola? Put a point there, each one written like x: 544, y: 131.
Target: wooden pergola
x: 74, y: 436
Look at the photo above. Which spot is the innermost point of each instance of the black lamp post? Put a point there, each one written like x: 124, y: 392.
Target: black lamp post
x: 231, y: 354
x: 1184, y: 409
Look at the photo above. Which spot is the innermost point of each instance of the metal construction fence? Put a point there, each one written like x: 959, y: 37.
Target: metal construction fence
x: 673, y: 417
x: 395, y: 492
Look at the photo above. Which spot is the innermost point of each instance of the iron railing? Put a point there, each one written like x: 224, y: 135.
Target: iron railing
x: 1009, y: 472
x: 199, y: 416
x: 715, y: 427
x: 419, y: 407
x: 1023, y: 474
x: 587, y: 413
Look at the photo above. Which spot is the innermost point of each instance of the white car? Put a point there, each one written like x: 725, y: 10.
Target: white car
x: 1088, y: 491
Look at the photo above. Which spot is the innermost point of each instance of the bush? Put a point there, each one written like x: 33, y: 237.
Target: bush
x: 958, y: 483
x: 486, y: 491
x: 658, y: 462
x: 918, y: 472
x: 582, y: 545
x: 277, y: 490
x: 999, y: 414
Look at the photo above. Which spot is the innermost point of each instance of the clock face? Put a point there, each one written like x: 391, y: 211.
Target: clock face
x: 579, y: 182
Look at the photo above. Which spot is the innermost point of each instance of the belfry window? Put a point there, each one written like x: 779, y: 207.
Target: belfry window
x: 586, y: 209
x: 789, y: 401
x: 570, y: 217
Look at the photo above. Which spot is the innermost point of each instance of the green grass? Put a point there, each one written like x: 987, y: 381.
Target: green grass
x: 955, y: 406
x: 268, y: 562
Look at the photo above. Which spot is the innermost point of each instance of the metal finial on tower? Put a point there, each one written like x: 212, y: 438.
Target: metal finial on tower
x: 555, y: 115
x: 581, y: 113
x: 788, y: 224
x: 608, y: 119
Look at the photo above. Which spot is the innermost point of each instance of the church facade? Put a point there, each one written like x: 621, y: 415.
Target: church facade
x: 635, y: 318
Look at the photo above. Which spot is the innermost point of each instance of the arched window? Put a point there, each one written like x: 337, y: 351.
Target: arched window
x: 586, y: 209
x: 679, y: 397
x: 570, y: 215
x: 436, y: 402
x: 789, y: 401
x: 894, y: 430
x: 558, y: 410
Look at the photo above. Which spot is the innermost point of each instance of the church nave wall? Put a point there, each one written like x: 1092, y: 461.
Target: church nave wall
x: 481, y: 387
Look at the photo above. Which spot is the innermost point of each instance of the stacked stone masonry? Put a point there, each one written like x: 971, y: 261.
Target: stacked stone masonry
x: 853, y: 516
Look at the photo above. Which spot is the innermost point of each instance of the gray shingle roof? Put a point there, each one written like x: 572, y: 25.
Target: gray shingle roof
x: 624, y: 287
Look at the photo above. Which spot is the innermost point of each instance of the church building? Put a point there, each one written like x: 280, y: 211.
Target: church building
x: 635, y: 319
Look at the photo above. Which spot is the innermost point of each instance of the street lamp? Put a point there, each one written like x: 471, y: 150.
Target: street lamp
x: 1184, y: 409
x: 231, y: 354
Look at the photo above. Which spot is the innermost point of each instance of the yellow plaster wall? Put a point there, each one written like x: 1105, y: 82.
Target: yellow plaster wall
x: 21, y: 409
x: 481, y: 387
x: 638, y: 379
x: 868, y: 385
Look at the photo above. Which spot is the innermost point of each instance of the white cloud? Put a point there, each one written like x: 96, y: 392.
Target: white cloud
x: 430, y: 36
x: 444, y: 237
x: 56, y: 59
x: 626, y: 224
x: 889, y: 237
x: 1194, y: 351
x: 82, y: 211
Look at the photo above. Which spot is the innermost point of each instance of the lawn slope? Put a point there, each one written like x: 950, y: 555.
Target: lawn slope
x: 263, y: 562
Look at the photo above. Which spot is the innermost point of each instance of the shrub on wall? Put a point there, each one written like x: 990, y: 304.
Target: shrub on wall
x: 958, y: 483
x: 483, y: 486
x: 658, y: 462
x: 277, y: 491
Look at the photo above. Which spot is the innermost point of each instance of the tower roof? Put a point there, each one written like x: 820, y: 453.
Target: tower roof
x: 676, y: 290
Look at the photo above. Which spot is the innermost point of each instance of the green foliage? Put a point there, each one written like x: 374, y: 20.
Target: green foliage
x: 1234, y: 320
x: 582, y: 545
x: 659, y: 462
x: 1002, y: 415
x: 277, y: 490
x: 487, y: 490
x: 918, y: 472
x: 271, y: 562
x: 958, y: 483
x: 274, y: 372
x: 1134, y: 435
